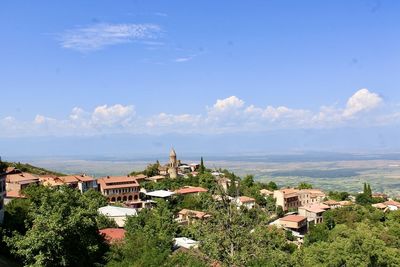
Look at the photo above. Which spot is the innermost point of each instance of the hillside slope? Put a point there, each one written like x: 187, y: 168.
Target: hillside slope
x: 26, y: 167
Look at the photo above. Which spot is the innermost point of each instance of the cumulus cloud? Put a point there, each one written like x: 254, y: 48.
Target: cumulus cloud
x: 230, y: 114
x: 362, y: 100
x: 40, y: 119
x: 230, y: 103
x: 100, y: 35
x: 116, y: 114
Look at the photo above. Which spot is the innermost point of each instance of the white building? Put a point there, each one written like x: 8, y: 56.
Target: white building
x: 247, y: 202
x: 118, y: 214
x: 184, y: 242
x: 160, y: 194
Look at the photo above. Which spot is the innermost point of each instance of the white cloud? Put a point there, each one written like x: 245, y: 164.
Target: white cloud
x: 98, y: 36
x: 226, y: 115
x: 117, y: 114
x: 183, y: 59
x: 227, y: 104
x: 77, y: 114
x: 362, y: 100
x: 40, y: 119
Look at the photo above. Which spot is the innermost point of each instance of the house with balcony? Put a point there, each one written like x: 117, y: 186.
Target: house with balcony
x: 186, y: 216
x: 313, y: 212
x: 121, y: 189
x: 296, y: 223
x: 16, y: 180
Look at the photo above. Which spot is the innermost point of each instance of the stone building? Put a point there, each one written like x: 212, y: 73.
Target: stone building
x: 173, y: 165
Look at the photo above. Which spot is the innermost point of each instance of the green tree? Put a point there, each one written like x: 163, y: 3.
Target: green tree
x: 272, y: 186
x: 186, y: 258
x: 202, y: 168
x: 338, y: 196
x: 239, y: 237
x: 248, y: 181
x: 148, y: 240
x: 16, y: 216
x: 279, y: 211
x: 63, y: 232
x: 206, y: 180
x: 304, y: 185
x: 355, y: 246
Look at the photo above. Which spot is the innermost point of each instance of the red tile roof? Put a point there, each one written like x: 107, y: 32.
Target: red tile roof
x: 293, y: 218
x: 392, y: 203
x: 195, y: 213
x: 113, y: 234
x: 191, y: 190
x: 331, y: 202
x: 111, y: 182
x: 23, y: 176
x: 14, y: 194
x: 245, y: 199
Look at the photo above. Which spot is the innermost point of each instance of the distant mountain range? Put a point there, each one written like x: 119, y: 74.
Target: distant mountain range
x: 382, y: 140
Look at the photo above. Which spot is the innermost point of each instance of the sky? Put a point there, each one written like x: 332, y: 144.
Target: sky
x: 251, y: 75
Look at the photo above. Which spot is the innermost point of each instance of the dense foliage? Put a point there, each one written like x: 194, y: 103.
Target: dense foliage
x: 360, y: 236
x: 55, y: 227
x: 59, y: 227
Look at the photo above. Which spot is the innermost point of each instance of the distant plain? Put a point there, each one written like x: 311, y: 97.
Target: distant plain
x: 327, y: 171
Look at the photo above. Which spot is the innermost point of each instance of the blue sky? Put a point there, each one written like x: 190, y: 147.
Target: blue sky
x: 76, y: 68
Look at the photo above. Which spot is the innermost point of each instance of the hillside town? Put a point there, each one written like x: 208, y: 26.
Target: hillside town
x: 191, y: 189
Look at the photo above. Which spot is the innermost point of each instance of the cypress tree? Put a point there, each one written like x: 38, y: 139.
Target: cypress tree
x: 369, y: 191
x: 202, y: 168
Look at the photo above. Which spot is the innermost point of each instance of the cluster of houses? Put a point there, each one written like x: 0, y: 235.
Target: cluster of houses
x: 302, y: 207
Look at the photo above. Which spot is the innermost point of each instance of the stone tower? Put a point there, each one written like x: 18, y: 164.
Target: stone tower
x: 173, y: 164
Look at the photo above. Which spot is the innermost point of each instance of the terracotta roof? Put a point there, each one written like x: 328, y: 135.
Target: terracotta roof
x: 191, y: 190
x: 293, y: 218
x: 195, y: 213
x: 18, y: 177
x: 245, y: 199
x: 379, y: 206
x: 139, y: 177
x: 51, y: 181
x: 266, y: 192
x: 113, y: 234
x: 345, y: 203
x: 392, y: 203
x: 14, y: 194
x: 84, y: 178
x: 10, y: 169
x: 331, y: 202
x: 111, y: 182
x: 68, y: 179
x: 289, y: 190
x: 316, y: 208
